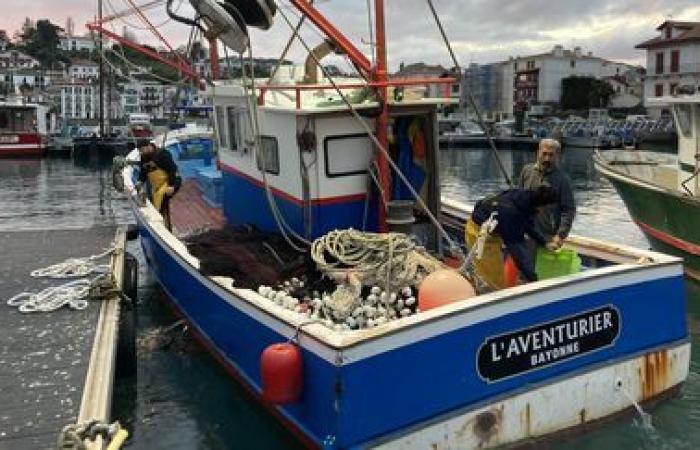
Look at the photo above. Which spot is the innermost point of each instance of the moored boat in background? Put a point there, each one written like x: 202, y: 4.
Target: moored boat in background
x: 23, y: 129
x: 663, y: 194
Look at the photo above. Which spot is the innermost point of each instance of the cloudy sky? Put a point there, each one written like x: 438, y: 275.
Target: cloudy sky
x: 481, y: 31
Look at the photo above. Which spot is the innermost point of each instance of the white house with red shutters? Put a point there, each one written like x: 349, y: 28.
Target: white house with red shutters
x: 673, y: 60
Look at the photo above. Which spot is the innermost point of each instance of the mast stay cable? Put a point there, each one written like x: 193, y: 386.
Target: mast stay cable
x: 472, y: 102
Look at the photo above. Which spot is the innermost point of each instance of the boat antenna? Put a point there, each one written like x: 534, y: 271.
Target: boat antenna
x: 470, y: 97
x: 370, y: 133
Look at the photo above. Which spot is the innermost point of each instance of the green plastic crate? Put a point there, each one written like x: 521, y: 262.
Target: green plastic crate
x: 551, y: 264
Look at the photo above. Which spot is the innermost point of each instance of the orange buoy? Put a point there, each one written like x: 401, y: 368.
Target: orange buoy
x: 281, y: 373
x: 510, y: 272
x: 442, y: 287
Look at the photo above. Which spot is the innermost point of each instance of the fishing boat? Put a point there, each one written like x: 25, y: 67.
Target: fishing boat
x: 661, y: 192
x: 370, y: 353
x: 23, y: 129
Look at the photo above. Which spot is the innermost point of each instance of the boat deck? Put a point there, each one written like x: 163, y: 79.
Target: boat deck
x: 45, y: 357
x: 190, y: 213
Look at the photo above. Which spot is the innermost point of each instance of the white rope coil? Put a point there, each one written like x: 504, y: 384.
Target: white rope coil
x: 75, y: 267
x: 74, y: 293
x: 371, y: 256
x: 71, y: 294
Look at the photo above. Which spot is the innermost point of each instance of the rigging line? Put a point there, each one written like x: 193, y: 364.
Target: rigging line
x: 470, y: 96
x: 376, y: 142
x: 286, y: 48
x: 321, y: 36
x: 138, y: 67
x: 272, y: 203
x: 138, y: 27
x: 371, y: 30
x: 157, y: 33
x: 124, y: 58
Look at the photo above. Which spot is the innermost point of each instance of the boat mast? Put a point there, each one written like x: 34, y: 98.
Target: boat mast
x: 379, y: 75
x: 213, y: 57
x: 101, y: 67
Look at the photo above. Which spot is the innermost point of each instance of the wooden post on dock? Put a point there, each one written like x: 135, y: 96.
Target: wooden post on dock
x: 96, y: 402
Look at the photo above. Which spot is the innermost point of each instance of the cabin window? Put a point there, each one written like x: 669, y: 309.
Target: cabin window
x: 220, y: 126
x: 684, y: 118
x: 346, y: 155
x: 269, y: 154
x: 233, y: 129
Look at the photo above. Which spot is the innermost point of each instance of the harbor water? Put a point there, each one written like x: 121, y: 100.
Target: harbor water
x: 182, y: 399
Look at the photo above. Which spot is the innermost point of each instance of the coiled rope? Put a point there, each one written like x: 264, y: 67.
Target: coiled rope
x: 74, y: 293
x: 73, y: 436
x: 390, y: 259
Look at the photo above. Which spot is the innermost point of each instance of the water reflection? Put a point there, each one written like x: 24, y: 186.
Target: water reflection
x: 58, y: 194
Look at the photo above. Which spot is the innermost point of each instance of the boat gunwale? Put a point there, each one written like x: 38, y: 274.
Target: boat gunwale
x: 606, y: 169
x: 353, y: 340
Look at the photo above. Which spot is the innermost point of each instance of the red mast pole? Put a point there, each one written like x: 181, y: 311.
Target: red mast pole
x: 213, y: 58
x: 380, y: 75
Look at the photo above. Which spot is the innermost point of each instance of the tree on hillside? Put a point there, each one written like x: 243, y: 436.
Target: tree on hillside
x: 41, y: 41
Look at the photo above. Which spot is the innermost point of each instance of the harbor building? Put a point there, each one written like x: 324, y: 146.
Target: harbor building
x: 536, y: 80
x: 673, y: 60
x: 77, y: 43
x: 534, y: 83
x: 485, y: 83
x: 83, y: 69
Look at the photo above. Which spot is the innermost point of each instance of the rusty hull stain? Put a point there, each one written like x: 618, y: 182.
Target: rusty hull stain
x: 656, y: 371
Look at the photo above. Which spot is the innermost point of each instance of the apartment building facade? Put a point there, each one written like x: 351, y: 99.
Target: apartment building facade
x: 673, y: 60
x: 536, y: 80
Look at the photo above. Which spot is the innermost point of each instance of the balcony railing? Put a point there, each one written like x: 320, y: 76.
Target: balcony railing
x: 687, y: 68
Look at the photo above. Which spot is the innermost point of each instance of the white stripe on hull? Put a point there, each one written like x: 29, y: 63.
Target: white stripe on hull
x: 559, y: 406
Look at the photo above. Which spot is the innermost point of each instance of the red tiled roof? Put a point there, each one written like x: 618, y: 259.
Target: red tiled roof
x: 691, y: 33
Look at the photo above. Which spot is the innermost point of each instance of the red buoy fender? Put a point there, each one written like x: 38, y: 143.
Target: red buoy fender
x: 281, y: 372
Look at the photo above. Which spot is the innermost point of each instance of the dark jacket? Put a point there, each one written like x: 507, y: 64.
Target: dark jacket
x: 515, y: 212
x: 514, y: 215
x: 554, y: 219
x: 161, y: 159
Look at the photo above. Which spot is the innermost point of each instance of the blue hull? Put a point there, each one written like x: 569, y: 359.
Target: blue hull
x: 360, y: 392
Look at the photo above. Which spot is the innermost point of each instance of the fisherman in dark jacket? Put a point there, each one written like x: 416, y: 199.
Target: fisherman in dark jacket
x: 515, y: 209
x: 157, y: 166
x: 553, y: 221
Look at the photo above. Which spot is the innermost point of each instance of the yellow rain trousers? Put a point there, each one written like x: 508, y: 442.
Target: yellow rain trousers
x: 158, y: 179
x: 490, y: 267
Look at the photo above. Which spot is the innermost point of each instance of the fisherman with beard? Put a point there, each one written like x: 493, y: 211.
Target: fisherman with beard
x: 552, y: 221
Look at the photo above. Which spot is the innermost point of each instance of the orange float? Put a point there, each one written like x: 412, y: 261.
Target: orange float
x: 443, y: 287
x: 510, y: 272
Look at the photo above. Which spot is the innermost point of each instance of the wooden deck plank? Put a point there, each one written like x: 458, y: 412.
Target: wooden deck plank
x: 189, y: 212
x: 43, y: 356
